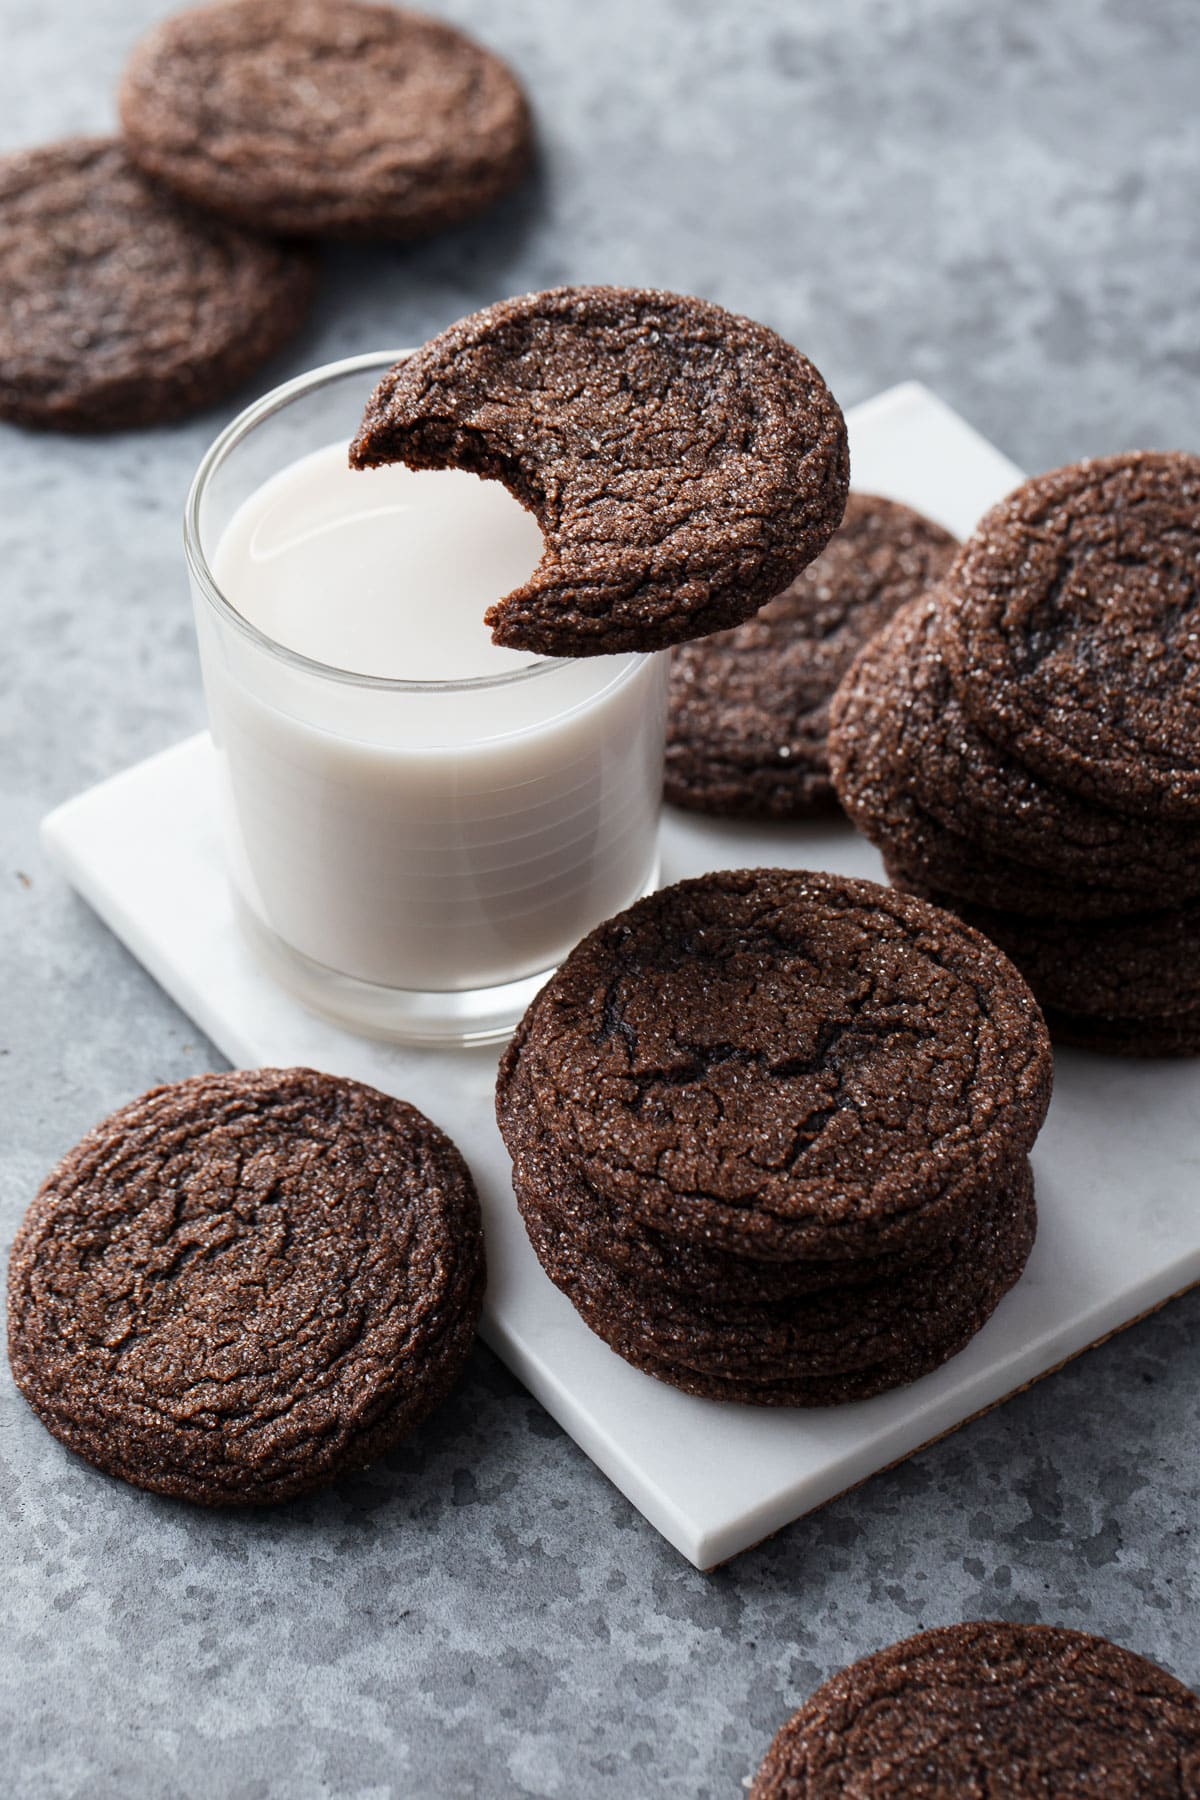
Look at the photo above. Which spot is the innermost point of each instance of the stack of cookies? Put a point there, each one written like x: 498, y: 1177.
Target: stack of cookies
x: 1023, y: 744
x: 770, y: 1132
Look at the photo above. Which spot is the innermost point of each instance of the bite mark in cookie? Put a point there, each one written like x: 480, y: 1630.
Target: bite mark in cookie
x: 683, y: 463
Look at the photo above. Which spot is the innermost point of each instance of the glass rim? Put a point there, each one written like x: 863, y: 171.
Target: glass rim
x: 222, y: 446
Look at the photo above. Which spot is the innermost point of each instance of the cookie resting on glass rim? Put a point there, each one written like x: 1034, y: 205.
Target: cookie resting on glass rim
x: 683, y: 463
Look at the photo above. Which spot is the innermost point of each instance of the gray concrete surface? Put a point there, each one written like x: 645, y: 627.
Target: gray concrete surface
x: 999, y: 199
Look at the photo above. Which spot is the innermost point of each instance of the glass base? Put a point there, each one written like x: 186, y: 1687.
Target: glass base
x: 431, y: 1020
x: 395, y: 1015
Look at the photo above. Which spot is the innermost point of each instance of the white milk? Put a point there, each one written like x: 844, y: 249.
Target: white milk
x: 446, y: 838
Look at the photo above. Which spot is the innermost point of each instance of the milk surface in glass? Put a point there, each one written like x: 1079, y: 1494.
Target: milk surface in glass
x: 426, y: 811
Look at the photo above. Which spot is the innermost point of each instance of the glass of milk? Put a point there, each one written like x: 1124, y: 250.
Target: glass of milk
x: 419, y: 825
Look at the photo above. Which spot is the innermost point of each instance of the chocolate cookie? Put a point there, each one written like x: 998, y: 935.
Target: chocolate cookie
x: 241, y: 1286
x: 819, y: 1349
x: 877, y: 752
x: 1030, y: 1712
x: 643, y: 1257
x: 1072, y: 629
x: 1144, y: 966
x: 786, y: 1065
x: 122, y: 305
x: 683, y: 463
x: 749, y: 708
x: 901, y: 693
x: 315, y: 117
x: 1174, y: 1036
x: 922, y: 856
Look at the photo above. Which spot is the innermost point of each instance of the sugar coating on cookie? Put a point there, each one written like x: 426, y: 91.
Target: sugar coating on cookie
x: 769, y: 1135
x: 325, y: 117
x: 242, y: 1286
x: 821, y: 1348
x: 1072, y: 628
x: 684, y: 463
x: 787, y: 1064
x: 956, y: 814
x: 1142, y: 965
x: 1031, y: 1712
x: 971, y: 783
x: 667, y: 1258
x: 1062, y: 832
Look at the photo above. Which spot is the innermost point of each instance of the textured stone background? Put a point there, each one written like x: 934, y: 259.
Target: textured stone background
x: 998, y: 199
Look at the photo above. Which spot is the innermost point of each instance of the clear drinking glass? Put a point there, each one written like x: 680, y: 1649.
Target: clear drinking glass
x: 412, y: 858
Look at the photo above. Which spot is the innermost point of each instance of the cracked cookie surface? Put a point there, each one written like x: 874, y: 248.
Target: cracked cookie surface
x: 749, y: 708
x: 243, y: 1285
x: 325, y: 117
x: 1032, y: 1712
x: 906, y: 801
x: 647, y: 1257
x: 684, y: 463
x: 786, y: 1065
x: 1072, y: 629
x: 900, y: 698
x: 122, y: 305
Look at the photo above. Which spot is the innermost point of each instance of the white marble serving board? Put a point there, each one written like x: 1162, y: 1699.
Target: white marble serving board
x: 1118, y: 1165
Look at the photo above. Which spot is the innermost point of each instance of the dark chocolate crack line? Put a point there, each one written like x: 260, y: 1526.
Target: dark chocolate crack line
x: 1072, y: 629
x: 937, y: 806
x: 788, y: 1065
x: 901, y: 692
x: 653, y: 1260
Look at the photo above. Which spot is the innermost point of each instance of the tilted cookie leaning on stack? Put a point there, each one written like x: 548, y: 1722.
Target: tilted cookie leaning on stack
x: 769, y: 1133
x: 1024, y: 746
